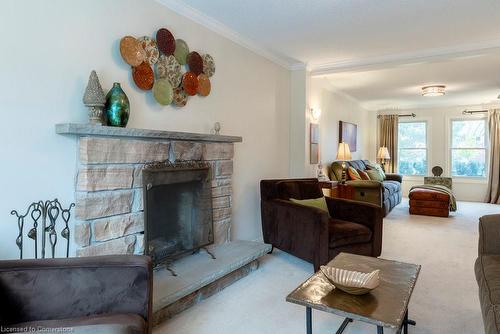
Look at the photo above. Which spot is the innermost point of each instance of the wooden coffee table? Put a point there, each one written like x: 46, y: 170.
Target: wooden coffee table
x: 385, y: 306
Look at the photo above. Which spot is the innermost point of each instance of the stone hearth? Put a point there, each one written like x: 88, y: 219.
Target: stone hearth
x: 109, y: 203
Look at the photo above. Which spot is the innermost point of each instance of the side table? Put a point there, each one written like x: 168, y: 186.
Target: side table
x: 328, y: 187
x: 343, y: 191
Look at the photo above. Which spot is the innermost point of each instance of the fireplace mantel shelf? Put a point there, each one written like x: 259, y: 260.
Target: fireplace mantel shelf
x: 109, y: 131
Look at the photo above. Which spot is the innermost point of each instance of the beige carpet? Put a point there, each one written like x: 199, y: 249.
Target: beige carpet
x: 445, y: 299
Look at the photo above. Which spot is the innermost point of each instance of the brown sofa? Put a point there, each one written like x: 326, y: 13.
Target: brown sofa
x: 312, y: 234
x: 386, y: 194
x: 107, y: 294
x: 487, y: 269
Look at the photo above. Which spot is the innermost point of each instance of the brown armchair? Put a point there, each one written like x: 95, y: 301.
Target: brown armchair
x: 105, y: 294
x: 312, y: 234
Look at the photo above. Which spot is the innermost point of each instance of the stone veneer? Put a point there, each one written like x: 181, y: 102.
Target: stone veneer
x: 109, y: 204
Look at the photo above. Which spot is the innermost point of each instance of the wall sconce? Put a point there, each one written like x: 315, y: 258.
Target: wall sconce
x: 315, y: 114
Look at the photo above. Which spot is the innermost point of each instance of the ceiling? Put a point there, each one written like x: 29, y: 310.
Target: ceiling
x: 366, y: 42
x: 469, y: 80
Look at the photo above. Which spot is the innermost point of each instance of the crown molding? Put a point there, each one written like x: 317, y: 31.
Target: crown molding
x: 218, y: 27
x: 427, y: 55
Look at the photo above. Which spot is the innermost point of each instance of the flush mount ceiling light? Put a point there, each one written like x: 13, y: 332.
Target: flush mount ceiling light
x: 435, y: 90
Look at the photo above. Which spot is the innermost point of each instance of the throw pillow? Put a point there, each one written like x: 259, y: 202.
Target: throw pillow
x: 363, y: 174
x: 319, y: 203
x: 374, y: 175
x: 353, y: 174
x: 377, y: 167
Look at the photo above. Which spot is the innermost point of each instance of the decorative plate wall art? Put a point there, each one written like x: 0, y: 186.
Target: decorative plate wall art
x: 166, y: 66
x: 132, y: 51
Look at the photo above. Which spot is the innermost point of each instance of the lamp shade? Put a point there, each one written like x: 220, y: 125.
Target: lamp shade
x: 344, y: 153
x: 383, y: 153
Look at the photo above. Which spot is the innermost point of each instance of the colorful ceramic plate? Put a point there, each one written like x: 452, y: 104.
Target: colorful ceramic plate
x: 132, y: 51
x: 168, y: 68
x: 162, y: 91
x: 143, y: 76
x: 204, y: 85
x: 181, y: 51
x: 208, y: 65
x: 180, y: 97
x: 195, y: 62
x: 151, y: 49
x: 190, y: 83
x: 165, y: 41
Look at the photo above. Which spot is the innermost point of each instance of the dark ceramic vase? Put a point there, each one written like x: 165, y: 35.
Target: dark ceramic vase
x: 117, y: 109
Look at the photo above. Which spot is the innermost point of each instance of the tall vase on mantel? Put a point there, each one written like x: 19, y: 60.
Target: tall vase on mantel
x: 117, y: 109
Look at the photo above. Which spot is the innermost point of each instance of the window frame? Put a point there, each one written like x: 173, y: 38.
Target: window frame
x: 451, y: 148
x: 427, y: 147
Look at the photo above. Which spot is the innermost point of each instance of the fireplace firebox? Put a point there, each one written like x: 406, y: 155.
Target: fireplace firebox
x: 177, y: 209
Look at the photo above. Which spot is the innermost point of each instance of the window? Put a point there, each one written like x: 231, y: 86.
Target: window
x: 412, y: 148
x: 468, y: 148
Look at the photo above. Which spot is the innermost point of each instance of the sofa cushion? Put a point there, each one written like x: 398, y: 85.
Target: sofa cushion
x: 377, y: 167
x: 343, y: 233
x: 391, y: 187
x: 363, y: 174
x: 353, y: 174
x: 357, y: 164
x: 487, y: 269
x: 318, y: 203
x: 112, y: 324
x: 374, y: 175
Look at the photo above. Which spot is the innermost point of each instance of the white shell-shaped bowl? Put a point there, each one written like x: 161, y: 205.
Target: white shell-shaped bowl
x: 353, y: 282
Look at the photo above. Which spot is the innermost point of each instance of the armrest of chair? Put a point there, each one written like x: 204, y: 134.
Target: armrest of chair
x: 297, y: 229
x: 367, y: 184
x: 363, y: 213
x: 300, y: 214
x: 367, y: 214
x: 53, y: 289
x: 394, y: 177
x: 489, y: 235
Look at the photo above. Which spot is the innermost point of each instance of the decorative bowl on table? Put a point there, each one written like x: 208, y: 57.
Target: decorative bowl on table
x: 352, y: 282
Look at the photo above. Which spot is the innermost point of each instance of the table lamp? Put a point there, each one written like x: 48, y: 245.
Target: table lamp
x: 343, y: 154
x: 383, y: 155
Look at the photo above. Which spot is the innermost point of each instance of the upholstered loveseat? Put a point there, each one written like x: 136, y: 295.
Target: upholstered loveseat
x: 312, y: 234
x: 487, y: 270
x: 386, y: 194
x: 104, y: 294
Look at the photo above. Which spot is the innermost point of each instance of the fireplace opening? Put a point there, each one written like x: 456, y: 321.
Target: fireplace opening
x: 177, y: 209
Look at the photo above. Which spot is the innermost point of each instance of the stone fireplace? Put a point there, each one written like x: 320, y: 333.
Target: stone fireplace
x: 177, y: 209
x: 109, y: 189
x: 165, y: 194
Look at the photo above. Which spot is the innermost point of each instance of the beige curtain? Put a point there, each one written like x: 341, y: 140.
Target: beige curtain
x: 388, y: 137
x: 493, y: 195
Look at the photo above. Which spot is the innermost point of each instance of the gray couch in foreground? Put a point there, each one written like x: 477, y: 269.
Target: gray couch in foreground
x: 105, y: 294
x: 487, y: 268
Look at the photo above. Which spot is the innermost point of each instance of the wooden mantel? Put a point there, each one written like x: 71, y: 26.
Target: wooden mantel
x: 110, y: 131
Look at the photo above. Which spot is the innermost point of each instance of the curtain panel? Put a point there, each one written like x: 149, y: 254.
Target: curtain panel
x: 388, y: 137
x: 493, y: 194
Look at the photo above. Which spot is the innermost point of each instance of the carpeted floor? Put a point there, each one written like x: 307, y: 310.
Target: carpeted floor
x: 445, y: 299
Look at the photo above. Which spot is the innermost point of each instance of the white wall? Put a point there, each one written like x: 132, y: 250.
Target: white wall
x: 48, y: 50
x: 299, y: 158
x: 336, y: 106
x: 438, y: 123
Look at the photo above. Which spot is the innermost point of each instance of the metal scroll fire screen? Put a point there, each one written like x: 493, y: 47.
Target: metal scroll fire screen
x: 40, y: 223
x: 177, y: 209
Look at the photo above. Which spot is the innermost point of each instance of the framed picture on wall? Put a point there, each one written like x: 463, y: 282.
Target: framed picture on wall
x: 348, y: 133
x: 314, y: 144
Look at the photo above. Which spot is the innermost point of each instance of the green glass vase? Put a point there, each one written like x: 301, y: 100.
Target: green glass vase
x: 117, y: 109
